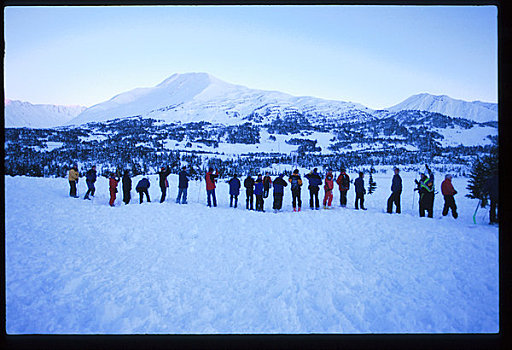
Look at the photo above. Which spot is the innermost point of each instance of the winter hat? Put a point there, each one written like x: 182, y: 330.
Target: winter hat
x: 315, y: 170
x: 342, y: 170
x: 296, y: 171
x: 210, y: 169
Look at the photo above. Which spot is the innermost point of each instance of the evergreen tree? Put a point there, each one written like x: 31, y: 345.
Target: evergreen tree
x: 483, y: 168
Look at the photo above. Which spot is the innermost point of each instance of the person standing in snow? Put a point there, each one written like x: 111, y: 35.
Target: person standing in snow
x: 258, y: 192
x: 343, y: 182
x: 162, y: 174
x: 182, y: 185
x: 491, y: 188
x: 360, y: 191
x: 328, y: 187
x: 112, y: 184
x: 73, y: 176
x: 127, y: 187
x: 296, y: 183
x: 448, y: 192
x: 267, y: 183
x: 142, y: 188
x: 279, y: 185
x: 234, y: 190
x: 249, y: 192
x: 210, y: 186
x: 90, y: 179
x: 426, y: 191
x: 396, y: 191
x: 314, y: 187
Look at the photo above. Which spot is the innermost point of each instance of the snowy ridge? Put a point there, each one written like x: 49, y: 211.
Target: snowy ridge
x: 476, y: 111
x: 193, y: 97
x: 25, y: 114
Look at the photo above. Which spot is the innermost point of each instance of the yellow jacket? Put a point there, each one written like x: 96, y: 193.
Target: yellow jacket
x: 73, y: 175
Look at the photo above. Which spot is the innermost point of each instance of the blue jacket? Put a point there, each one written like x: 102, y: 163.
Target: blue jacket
x: 279, y: 185
x: 183, y: 179
x: 314, y: 179
x: 258, y: 187
x: 234, y: 186
x: 396, y: 185
x: 90, y: 176
x: 142, y: 185
x: 359, y: 185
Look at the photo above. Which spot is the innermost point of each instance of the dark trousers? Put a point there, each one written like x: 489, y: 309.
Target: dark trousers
x: 278, y: 201
x: 211, y: 195
x: 493, y: 215
x: 449, y: 203
x: 259, y: 202
x: 72, y: 188
x: 164, y: 192
x: 249, y: 200
x: 343, y: 198
x: 427, y: 204
x: 296, y: 197
x: 141, y: 194
x: 126, y: 196
x: 90, y: 189
x: 182, y: 195
x: 394, y: 199
x: 235, y: 197
x: 359, y: 199
x: 313, y: 197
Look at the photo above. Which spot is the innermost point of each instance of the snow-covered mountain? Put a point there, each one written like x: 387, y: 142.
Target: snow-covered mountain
x: 192, y: 97
x: 476, y: 111
x: 25, y: 114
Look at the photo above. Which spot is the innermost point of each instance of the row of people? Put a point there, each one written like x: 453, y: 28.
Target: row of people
x: 260, y: 188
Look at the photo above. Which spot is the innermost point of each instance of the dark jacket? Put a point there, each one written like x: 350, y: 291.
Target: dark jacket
x: 267, y: 182
x: 343, y: 181
x: 142, y: 185
x: 249, y: 183
x: 396, y: 184
x: 359, y: 185
x: 258, y: 187
x: 127, y: 183
x: 163, y: 176
x: 491, y: 187
x: 314, y: 180
x: 279, y: 184
x: 183, y: 179
x: 296, y: 181
x: 90, y: 176
x: 234, y: 186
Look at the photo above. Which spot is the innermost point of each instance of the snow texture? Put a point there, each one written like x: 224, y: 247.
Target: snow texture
x: 81, y: 267
x: 23, y: 114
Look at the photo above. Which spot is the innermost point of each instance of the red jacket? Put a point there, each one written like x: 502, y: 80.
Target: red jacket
x: 343, y: 181
x: 447, y: 188
x: 329, y: 183
x: 210, y: 180
x: 113, y: 184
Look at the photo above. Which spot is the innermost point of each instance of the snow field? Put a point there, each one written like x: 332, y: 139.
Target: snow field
x: 81, y: 267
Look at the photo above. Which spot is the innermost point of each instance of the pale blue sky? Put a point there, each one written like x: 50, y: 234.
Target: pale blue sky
x: 373, y: 55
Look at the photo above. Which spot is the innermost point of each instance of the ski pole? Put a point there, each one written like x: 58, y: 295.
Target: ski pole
x: 474, y: 214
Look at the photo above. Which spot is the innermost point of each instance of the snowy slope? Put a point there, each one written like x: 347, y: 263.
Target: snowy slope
x: 193, y: 97
x: 24, y: 114
x: 476, y: 111
x: 82, y: 267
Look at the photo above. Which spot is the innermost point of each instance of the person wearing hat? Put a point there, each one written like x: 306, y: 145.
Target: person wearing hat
x: 426, y: 191
x: 90, y: 179
x: 258, y: 192
x: 73, y: 176
x: 296, y: 183
x: 112, y: 184
x: 249, y: 192
x: 267, y: 183
x: 279, y: 185
x: 315, y: 181
x: 396, y: 191
x: 182, y: 185
x: 234, y: 190
x: 142, y: 188
x: 448, y: 192
x: 343, y: 182
x: 360, y: 191
x: 328, y: 187
x: 162, y: 174
x: 210, y: 186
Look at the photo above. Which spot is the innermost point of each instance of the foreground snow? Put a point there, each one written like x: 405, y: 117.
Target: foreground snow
x: 75, y: 266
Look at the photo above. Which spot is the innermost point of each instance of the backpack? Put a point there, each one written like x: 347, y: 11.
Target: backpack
x: 295, y: 182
